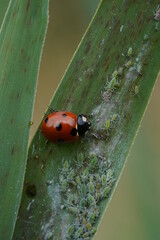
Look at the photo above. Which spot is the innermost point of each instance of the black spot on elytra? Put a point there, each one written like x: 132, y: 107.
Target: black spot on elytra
x: 31, y: 190
x: 60, y: 140
x: 46, y: 120
x: 64, y: 115
x: 59, y: 127
x: 73, y: 132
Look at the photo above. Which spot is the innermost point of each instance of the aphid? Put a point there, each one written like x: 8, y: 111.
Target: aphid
x: 49, y: 182
x: 49, y: 235
x: 80, y: 160
x: 93, y: 230
x: 111, y: 182
x: 109, y: 174
x: 73, y: 209
x: 91, y: 187
x: 157, y: 14
x: 91, y: 199
x: 93, y: 162
x: 79, y: 232
x: 120, y: 71
x: 98, y: 196
x: 112, y: 85
x: 42, y: 166
x: 96, y: 211
x: 135, y: 90
x: 128, y: 64
x: 83, y: 190
x: 76, y: 199
x: 89, y: 226
x: 139, y: 68
x: 71, y: 175
x: 85, y: 174
x: 86, y: 238
x: 114, y: 74
x: 105, y: 192
x: 71, y: 230
x: 121, y: 28
x: 91, y: 178
x: 84, y: 221
x: 70, y: 199
x: 63, y: 185
x: 84, y: 213
x: 78, y: 180
x: 97, y: 177
x: 157, y: 26
x: 108, y: 124
x: 61, y: 126
x: 92, y: 217
x: 114, y: 117
x: 65, y: 166
x: 106, y: 96
x: 98, y: 186
x: 92, y: 155
x: 104, y: 180
x: 130, y: 52
x: 62, y: 207
x: 85, y: 235
x: 146, y: 37
x: 83, y: 202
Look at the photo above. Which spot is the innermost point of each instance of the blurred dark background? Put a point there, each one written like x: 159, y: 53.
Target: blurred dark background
x: 134, y: 212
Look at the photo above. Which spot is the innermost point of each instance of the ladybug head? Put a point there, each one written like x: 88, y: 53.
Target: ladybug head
x: 83, y: 125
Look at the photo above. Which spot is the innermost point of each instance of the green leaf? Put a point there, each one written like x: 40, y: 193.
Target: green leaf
x: 111, y: 77
x: 21, y: 40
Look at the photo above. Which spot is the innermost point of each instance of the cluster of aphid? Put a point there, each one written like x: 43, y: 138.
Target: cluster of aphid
x: 83, y: 188
x: 116, y: 77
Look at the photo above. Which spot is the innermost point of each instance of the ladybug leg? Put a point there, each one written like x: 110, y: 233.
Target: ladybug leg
x: 51, y: 109
x: 45, y: 115
x: 46, y: 142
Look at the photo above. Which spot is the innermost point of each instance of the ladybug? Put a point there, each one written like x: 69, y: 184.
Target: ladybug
x: 62, y: 126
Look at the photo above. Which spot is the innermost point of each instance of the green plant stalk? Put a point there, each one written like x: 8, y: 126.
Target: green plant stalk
x: 111, y: 77
x: 21, y: 40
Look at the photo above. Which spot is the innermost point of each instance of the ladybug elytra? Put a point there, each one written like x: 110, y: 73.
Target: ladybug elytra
x: 64, y: 126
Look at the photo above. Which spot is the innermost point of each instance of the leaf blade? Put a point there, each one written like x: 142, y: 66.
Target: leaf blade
x: 19, y: 63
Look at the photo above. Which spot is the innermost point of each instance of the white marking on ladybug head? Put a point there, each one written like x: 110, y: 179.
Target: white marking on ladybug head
x: 84, y: 119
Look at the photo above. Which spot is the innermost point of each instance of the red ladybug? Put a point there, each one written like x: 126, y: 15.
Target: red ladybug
x: 64, y: 126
